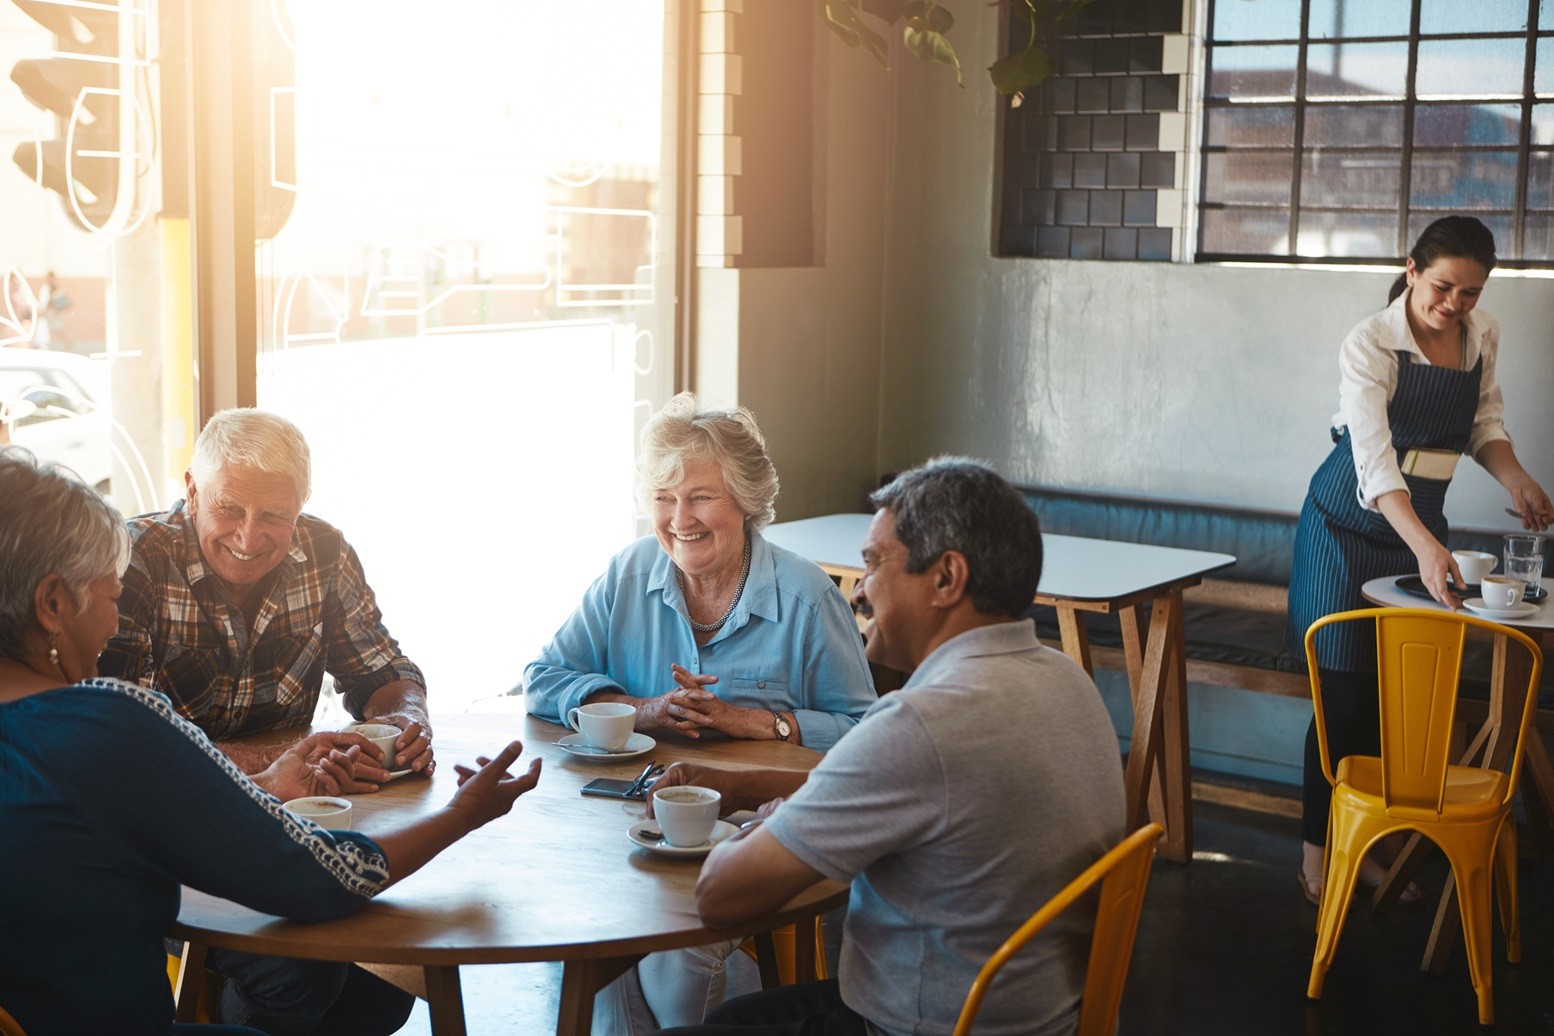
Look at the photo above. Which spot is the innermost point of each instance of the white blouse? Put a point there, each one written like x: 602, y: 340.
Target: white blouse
x: 1369, y: 377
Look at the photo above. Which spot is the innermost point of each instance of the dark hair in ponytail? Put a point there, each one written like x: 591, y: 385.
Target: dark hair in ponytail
x: 1457, y: 237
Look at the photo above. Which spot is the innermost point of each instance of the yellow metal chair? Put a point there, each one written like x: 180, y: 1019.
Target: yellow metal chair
x: 1124, y: 874
x: 1414, y: 786
x: 778, y: 958
x: 9, y: 1026
x: 207, y: 1008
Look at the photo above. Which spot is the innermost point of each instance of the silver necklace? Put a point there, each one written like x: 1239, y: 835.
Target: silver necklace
x: 713, y: 627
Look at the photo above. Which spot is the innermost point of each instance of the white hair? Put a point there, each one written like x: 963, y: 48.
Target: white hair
x: 256, y: 439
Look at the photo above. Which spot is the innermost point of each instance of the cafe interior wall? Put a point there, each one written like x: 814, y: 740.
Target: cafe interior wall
x: 907, y: 338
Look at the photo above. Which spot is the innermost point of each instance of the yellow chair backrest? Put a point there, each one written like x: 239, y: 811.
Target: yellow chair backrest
x: 9, y: 1026
x: 1419, y: 662
x: 1124, y: 875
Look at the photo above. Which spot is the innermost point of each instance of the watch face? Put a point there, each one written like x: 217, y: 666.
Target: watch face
x: 783, y: 730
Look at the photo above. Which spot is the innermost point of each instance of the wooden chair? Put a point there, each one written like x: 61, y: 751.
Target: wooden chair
x: 1413, y: 785
x: 1123, y: 874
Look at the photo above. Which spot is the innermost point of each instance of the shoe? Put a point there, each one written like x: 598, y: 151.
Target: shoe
x: 1312, y: 889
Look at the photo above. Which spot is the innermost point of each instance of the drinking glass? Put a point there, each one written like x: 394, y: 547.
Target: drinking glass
x: 1524, y: 559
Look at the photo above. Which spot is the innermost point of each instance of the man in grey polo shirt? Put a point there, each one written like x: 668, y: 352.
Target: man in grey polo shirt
x: 955, y: 808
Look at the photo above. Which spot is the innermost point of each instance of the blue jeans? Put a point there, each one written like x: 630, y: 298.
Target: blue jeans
x: 285, y: 997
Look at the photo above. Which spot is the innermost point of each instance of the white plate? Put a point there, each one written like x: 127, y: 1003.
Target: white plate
x: 1477, y: 606
x: 636, y: 744
x: 720, y: 830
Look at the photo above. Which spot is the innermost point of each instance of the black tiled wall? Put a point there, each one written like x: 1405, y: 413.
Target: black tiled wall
x: 1081, y: 158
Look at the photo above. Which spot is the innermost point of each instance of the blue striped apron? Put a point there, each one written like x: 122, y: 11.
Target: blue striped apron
x: 1339, y: 545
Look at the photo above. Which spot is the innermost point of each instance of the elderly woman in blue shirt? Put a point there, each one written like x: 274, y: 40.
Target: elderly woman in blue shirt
x: 704, y: 626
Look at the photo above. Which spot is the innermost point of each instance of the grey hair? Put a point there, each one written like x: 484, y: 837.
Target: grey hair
x: 51, y: 523
x: 257, y: 439
x: 960, y: 504
x: 685, y: 430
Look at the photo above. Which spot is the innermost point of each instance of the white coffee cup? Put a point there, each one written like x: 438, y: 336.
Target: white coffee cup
x: 1474, y: 564
x: 383, y: 736
x: 606, y: 724
x: 327, y: 811
x: 1502, y: 591
x: 686, y: 814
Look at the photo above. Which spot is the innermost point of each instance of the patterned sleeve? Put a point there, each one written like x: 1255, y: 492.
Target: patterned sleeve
x: 361, y: 655
x: 178, y: 804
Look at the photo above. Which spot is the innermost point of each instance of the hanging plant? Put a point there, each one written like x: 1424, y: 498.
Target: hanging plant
x: 926, y: 23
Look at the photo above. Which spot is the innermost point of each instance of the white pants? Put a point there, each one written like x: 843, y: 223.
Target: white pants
x: 676, y: 987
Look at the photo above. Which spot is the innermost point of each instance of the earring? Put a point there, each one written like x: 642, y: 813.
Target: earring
x: 54, y: 651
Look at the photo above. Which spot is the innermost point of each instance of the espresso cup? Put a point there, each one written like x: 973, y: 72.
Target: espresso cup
x: 327, y: 811
x: 686, y: 814
x: 1474, y: 564
x: 1502, y: 591
x: 382, y: 736
x: 606, y: 724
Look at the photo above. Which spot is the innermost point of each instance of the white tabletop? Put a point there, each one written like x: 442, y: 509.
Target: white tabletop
x: 1385, y: 591
x: 1073, y: 567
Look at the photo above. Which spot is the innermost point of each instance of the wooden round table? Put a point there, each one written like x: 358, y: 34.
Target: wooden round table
x: 556, y: 880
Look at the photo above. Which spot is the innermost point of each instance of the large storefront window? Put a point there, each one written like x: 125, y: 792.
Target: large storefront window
x: 465, y: 299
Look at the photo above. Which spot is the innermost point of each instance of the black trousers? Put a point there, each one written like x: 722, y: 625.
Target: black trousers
x: 806, y: 1009
x: 1353, y: 715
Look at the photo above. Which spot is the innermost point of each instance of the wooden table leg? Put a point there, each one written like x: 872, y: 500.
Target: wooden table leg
x: 580, y: 980
x: 1076, y: 638
x: 1133, y: 639
x: 1163, y: 667
x: 445, y: 1000
x: 191, y: 982
x: 805, y: 967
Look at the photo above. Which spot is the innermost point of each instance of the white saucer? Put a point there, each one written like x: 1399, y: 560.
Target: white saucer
x: 636, y: 744
x: 720, y: 830
x: 1477, y: 606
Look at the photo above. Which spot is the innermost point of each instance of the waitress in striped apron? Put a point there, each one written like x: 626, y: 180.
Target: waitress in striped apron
x: 1417, y: 390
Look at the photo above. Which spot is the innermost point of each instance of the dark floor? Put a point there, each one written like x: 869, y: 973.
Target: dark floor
x: 1225, y: 945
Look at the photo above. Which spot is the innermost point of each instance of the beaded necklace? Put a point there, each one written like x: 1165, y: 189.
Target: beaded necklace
x: 713, y: 627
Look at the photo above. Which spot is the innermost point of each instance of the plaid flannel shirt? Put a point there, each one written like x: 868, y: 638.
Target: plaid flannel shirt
x: 180, y: 633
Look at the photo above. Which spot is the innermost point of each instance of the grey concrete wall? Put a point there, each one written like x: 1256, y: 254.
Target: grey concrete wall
x: 1172, y: 380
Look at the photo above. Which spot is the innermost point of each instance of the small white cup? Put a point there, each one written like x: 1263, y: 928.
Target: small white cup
x: 327, y: 811
x: 606, y: 724
x: 383, y: 736
x: 1502, y: 591
x: 1474, y: 564
x: 686, y: 814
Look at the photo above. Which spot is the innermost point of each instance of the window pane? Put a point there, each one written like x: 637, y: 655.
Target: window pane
x: 1354, y: 234
x: 1251, y: 127
x: 1470, y: 68
x: 1265, y: 20
x: 1441, y: 16
x: 1356, y: 70
x: 1543, y: 64
x: 1540, y: 180
x: 1253, y: 73
x: 1543, y: 124
x: 1246, y: 231
x: 1538, y: 242
x: 1351, y: 179
x: 1349, y: 18
x: 1248, y: 176
x: 1463, y: 180
x: 1354, y: 125
x: 1449, y: 125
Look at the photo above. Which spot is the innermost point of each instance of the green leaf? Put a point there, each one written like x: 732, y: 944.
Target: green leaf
x: 1019, y: 72
x: 844, y: 20
x: 931, y: 46
x: 938, y: 19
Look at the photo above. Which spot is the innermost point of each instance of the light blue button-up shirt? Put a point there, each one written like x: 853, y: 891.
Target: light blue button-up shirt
x: 791, y: 643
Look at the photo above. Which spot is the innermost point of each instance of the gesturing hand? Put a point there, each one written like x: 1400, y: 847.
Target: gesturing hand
x: 489, y: 792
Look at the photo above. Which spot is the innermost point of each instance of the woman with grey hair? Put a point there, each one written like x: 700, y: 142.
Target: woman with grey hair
x: 109, y: 801
x: 705, y: 626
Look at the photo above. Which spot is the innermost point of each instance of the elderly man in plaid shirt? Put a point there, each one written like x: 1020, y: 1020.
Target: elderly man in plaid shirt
x: 235, y: 605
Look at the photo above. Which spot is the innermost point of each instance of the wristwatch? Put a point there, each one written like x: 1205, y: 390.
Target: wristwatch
x: 784, y: 728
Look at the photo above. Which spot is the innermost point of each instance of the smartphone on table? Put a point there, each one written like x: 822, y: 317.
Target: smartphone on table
x: 610, y: 788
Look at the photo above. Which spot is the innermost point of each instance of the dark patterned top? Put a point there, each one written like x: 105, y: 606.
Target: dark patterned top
x: 181, y: 633
x: 109, y: 802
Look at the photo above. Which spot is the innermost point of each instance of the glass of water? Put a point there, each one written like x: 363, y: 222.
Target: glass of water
x: 1524, y: 559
